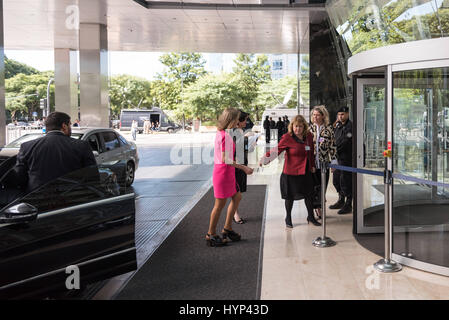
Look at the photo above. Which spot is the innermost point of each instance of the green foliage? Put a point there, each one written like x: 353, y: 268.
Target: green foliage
x: 183, y: 66
x: 13, y: 67
x: 250, y: 72
x: 129, y: 92
x: 25, y: 87
x: 209, y: 96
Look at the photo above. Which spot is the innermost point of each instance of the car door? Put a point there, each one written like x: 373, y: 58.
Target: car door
x: 76, y: 220
x: 94, y: 141
x: 114, y: 154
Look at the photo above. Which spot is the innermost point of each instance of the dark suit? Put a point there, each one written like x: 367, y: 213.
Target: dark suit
x: 52, y: 156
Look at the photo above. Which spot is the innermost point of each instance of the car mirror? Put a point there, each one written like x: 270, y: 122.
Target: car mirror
x: 22, y: 212
x: 96, y: 154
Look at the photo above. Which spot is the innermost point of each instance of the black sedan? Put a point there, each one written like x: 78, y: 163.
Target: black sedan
x: 70, y: 232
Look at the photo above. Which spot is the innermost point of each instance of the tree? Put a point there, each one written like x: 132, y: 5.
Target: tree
x: 182, y: 66
x: 182, y: 69
x: 250, y: 72
x: 23, y: 92
x: 209, y: 96
x: 13, y: 67
x: 129, y: 92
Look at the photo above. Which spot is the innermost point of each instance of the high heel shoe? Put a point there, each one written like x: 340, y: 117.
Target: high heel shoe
x: 288, y: 223
x: 214, y: 241
x: 314, y: 222
x: 231, y: 234
x: 241, y: 221
x: 317, y: 215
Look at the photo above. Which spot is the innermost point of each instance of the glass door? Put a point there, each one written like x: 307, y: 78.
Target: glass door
x: 420, y: 141
x: 370, y: 146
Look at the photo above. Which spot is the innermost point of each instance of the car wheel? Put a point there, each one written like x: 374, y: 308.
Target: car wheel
x: 170, y: 130
x: 130, y: 173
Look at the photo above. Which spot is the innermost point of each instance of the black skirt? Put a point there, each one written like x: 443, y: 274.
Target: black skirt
x: 240, y: 178
x: 297, y: 187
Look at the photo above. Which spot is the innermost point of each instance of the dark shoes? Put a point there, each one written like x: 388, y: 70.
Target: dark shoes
x: 231, y: 235
x: 339, y: 204
x: 314, y: 222
x: 214, y: 241
x: 288, y: 222
x: 347, y: 208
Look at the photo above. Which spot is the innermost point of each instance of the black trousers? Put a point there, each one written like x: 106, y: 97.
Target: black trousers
x: 317, y: 178
x: 342, y: 181
x: 267, y: 135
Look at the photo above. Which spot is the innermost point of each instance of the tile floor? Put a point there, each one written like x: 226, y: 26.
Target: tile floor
x: 294, y: 269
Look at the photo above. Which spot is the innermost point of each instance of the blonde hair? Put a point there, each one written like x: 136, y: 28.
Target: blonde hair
x: 321, y: 109
x: 228, y: 117
x: 299, y: 119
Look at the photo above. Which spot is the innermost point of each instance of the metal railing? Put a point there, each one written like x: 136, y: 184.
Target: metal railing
x: 15, y: 132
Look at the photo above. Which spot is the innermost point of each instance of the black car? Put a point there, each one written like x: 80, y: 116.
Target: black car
x: 72, y: 231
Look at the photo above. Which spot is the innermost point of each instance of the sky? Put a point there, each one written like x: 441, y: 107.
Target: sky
x: 141, y: 64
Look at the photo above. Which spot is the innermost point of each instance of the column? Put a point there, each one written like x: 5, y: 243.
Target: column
x: 66, y: 82
x: 94, y: 102
x: 2, y: 83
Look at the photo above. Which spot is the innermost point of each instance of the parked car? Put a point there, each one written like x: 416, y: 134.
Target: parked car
x: 78, y: 225
x: 110, y: 148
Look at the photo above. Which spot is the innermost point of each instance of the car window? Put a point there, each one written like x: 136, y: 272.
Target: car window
x: 94, y: 142
x: 110, y: 140
x: 123, y: 140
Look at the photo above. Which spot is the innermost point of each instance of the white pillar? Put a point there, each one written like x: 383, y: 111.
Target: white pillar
x: 2, y: 82
x: 94, y: 100
x: 66, y: 82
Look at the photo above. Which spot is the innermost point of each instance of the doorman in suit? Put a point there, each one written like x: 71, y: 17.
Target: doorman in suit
x: 56, y: 154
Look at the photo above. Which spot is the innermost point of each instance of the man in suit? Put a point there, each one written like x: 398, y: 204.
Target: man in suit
x: 52, y: 156
x: 266, y: 126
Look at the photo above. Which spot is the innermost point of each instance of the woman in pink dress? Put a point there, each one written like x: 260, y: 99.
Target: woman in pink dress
x: 223, y: 179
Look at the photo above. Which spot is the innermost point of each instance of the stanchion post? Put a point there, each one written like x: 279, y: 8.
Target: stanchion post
x: 387, y: 264
x: 324, y: 241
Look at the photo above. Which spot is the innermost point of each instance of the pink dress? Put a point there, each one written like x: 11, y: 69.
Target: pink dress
x: 223, y: 177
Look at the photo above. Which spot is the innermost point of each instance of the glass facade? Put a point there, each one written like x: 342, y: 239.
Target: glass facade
x: 369, y: 24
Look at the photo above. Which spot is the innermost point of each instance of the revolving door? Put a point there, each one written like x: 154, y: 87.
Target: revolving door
x: 414, y: 118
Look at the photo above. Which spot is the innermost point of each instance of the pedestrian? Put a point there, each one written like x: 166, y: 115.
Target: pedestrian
x: 241, y: 157
x: 273, y: 129
x: 342, y: 180
x: 249, y: 124
x: 54, y: 155
x: 223, y: 179
x: 323, y: 146
x: 77, y: 123
x: 296, y: 179
x: 280, y: 128
x: 146, y: 126
x: 266, y: 126
x: 287, y: 122
x: 134, y: 129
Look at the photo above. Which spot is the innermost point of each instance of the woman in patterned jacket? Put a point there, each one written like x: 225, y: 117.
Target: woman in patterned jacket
x: 325, y: 149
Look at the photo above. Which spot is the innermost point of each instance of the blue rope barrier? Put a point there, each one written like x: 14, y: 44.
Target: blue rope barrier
x: 357, y: 170
x: 395, y: 175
